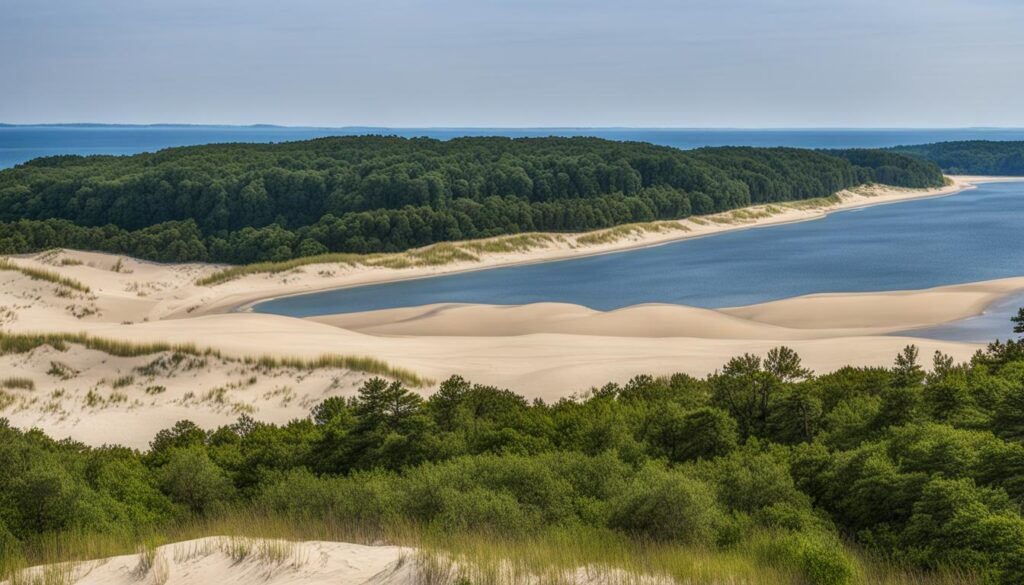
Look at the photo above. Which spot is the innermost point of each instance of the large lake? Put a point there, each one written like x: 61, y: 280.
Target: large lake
x: 21, y: 143
x: 974, y: 235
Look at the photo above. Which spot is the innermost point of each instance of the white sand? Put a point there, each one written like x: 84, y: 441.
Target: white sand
x: 545, y: 350
x: 218, y: 560
x: 106, y: 399
x: 207, y: 561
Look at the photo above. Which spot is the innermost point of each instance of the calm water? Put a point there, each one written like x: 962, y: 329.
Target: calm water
x: 974, y: 235
x: 993, y: 324
x: 21, y: 143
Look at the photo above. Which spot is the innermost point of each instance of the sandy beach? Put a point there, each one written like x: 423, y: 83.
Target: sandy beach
x: 545, y: 350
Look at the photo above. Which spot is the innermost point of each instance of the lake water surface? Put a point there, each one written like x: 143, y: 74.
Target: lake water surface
x: 971, y: 236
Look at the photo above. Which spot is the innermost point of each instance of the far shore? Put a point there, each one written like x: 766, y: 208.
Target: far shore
x: 570, y: 248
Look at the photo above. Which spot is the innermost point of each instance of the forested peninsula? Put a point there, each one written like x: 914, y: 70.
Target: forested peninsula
x: 243, y: 203
x: 972, y: 157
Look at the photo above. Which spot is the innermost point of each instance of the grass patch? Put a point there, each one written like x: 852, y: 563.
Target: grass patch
x: 627, y: 231
x: 815, y: 203
x: 61, y: 370
x: 46, y: 275
x: 16, y: 383
x: 552, y: 556
x: 25, y: 342
x: 509, y: 244
x: 434, y: 255
x: 123, y: 381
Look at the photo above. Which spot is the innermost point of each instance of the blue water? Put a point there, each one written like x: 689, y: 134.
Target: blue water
x: 974, y: 235
x: 21, y: 143
x: 993, y: 324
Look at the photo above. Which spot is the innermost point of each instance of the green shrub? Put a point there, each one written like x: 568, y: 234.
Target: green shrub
x: 667, y: 505
x: 817, y: 557
x: 191, y: 479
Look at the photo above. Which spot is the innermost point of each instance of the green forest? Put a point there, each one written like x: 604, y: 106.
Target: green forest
x: 973, y: 157
x: 923, y: 469
x: 244, y: 203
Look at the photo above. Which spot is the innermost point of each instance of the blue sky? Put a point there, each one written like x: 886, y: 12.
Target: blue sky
x: 684, y: 63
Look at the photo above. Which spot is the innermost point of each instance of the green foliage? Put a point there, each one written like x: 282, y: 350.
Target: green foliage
x: 762, y: 459
x: 972, y: 157
x: 667, y: 505
x: 191, y: 479
x: 820, y: 558
x: 680, y: 435
x: 246, y: 203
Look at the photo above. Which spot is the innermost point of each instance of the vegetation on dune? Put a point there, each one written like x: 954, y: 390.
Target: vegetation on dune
x: 433, y: 255
x: 25, y: 342
x: 245, y: 203
x: 762, y: 471
x: 972, y: 157
x: 44, y: 275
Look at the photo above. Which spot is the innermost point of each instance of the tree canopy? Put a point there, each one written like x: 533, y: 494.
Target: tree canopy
x: 926, y: 469
x: 971, y: 157
x: 241, y: 203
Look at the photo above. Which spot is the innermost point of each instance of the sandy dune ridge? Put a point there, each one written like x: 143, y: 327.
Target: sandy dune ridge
x: 806, y: 317
x: 242, y: 560
x: 229, y: 561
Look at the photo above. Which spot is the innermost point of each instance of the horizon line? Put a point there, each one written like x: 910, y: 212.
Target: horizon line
x: 519, y: 128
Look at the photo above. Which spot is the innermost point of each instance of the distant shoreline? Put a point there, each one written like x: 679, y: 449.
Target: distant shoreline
x: 648, y: 240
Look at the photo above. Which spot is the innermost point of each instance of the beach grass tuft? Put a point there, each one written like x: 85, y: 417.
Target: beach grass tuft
x: 17, y: 383
x: 621, y: 232
x: 44, y: 275
x: 11, y: 343
x: 439, y: 254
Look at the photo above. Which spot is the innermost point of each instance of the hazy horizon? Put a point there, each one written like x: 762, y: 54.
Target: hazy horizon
x: 700, y: 64
x: 498, y: 127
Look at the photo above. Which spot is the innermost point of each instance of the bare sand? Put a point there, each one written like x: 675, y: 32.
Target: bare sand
x: 244, y: 561
x: 545, y: 350
x: 216, y: 560
x: 806, y: 317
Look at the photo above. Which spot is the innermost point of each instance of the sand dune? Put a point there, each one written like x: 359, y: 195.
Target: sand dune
x: 504, y: 320
x: 234, y: 560
x: 896, y: 310
x: 216, y: 560
x: 99, y: 398
x: 806, y: 317
x: 545, y: 365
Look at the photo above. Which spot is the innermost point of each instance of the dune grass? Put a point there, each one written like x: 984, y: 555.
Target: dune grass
x: 17, y: 383
x: 621, y: 232
x: 433, y: 255
x: 25, y: 342
x: 558, y: 555
x: 44, y: 275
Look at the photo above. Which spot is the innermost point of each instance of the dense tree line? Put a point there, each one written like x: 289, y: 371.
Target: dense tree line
x: 924, y: 468
x: 241, y: 203
x: 972, y: 157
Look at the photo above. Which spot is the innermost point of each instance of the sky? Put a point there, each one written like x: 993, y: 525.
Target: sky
x: 515, y: 63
